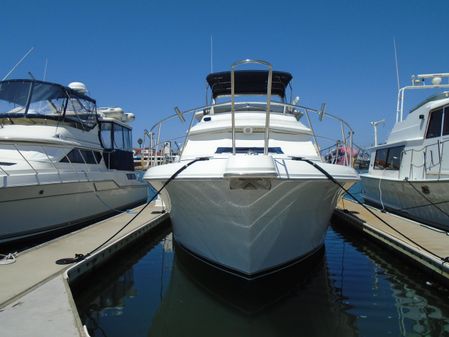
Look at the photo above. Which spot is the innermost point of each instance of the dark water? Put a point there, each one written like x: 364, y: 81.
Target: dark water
x: 355, y: 288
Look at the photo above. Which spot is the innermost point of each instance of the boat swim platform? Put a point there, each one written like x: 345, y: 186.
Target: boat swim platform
x: 434, y: 261
x: 35, y: 295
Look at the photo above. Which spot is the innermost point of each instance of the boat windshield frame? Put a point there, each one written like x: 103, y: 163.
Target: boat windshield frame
x: 26, y: 100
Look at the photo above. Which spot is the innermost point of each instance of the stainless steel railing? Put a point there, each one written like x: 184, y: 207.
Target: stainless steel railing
x: 153, y: 143
x: 267, y: 116
x: 34, y: 164
x: 423, y: 162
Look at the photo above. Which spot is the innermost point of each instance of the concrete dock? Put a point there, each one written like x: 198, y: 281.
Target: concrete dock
x: 35, y: 297
x: 426, y: 246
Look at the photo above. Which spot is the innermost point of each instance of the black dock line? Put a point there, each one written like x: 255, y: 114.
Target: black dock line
x: 427, y: 199
x: 80, y: 257
x: 329, y: 176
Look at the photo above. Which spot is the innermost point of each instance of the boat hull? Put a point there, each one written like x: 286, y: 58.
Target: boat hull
x: 398, y: 196
x: 28, y: 211
x: 254, y: 229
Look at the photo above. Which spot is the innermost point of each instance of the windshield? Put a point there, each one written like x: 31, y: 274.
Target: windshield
x: 35, y: 99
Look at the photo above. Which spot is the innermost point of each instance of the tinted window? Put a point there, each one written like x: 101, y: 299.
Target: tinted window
x: 73, y: 156
x: 256, y: 150
x: 81, y: 156
x: 381, y: 158
x: 389, y: 158
x: 434, y: 129
x: 394, y: 158
x: 88, y: 156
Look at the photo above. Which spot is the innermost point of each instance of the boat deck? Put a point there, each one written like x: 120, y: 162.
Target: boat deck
x: 35, y: 299
x: 427, y: 246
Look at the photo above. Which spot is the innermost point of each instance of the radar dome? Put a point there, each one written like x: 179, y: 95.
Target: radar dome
x: 78, y: 87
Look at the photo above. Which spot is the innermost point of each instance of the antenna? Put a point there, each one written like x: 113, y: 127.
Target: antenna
x: 211, y: 54
x: 45, y: 68
x: 17, y: 64
x: 374, y: 125
x: 397, y: 65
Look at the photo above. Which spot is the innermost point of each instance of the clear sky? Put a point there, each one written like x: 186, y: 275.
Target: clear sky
x: 149, y: 56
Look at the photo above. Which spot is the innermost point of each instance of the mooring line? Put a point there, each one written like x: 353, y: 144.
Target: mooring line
x: 331, y: 178
x: 80, y: 257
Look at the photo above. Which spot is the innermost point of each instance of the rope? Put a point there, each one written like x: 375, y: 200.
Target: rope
x: 8, y: 258
x: 427, y: 199
x: 319, y: 168
x: 80, y: 257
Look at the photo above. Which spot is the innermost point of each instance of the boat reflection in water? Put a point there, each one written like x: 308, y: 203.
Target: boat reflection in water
x: 393, y: 291
x: 354, y: 289
x: 203, y: 302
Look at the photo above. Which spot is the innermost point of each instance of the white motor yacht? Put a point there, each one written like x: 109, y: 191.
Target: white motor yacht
x: 409, y: 174
x: 252, y: 204
x: 62, y: 161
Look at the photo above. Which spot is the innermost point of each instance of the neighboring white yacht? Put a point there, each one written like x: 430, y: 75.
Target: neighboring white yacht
x: 409, y: 174
x: 62, y: 162
x: 255, y: 205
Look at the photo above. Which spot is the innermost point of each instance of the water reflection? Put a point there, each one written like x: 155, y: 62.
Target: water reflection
x: 354, y: 289
x: 381, y: 287
x: 120, y: 298
x: 201, y: 302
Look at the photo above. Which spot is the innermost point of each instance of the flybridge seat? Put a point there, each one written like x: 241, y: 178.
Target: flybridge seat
x: 248, y: 82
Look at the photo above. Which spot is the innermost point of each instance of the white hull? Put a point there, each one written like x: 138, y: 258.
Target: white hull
x: 398, y: 196
x: 249, y: 231
x: 36, y: 209
x: 247, y: 190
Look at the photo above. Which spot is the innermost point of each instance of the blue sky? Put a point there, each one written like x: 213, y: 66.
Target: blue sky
x: 149, y: 56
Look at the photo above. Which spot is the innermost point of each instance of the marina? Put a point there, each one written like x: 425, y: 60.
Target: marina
x: 181, y: 169
x: 34, y: 287
x: 356, y: 288
x: 426, y: 246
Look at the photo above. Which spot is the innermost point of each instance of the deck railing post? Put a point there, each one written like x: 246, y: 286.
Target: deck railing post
x: 267, y: 116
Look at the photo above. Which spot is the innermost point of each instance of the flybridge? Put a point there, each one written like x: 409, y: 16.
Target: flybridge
x: 423, y: 81
x: 248, y: 82
x: 25, y: 100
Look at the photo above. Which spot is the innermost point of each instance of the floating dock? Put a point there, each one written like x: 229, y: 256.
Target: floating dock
x: 35, y: 297
x: 426, y: 246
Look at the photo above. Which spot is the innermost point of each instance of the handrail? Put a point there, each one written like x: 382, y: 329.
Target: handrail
x: 425, y: 165
x: 21, y: 154
x: 46, y: 160
x: 51, y: 161
x: 418, y: 82
x: 267, y: 116
x: 296, y: 110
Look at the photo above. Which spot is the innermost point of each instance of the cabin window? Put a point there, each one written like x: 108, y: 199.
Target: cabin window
x: 115, y: 136
x: 446, y: 121
x: 249, y: 150
x: 122, y: 138
x: 389, y: 158
x: 434, y: 129
x: 381, y: 159
x: 106, y: 135
x: 118, y: 137
x: 81, y: 156
x: 394, y: 158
